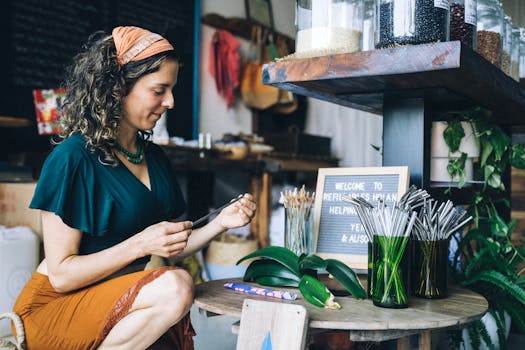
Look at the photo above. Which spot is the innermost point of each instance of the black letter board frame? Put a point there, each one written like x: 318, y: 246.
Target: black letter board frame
x: 338, y: 233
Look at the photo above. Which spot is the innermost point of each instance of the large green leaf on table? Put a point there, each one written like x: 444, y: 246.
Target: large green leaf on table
x: 316, y: 293
x: 280, y: 254
x: 347, y: 277
x: 311, y: 262
x: 274, y: 281
x: 267, y: 267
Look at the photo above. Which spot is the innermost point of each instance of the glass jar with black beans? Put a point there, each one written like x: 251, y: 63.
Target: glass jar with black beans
x: 402, y: 22
x: 463, y: 19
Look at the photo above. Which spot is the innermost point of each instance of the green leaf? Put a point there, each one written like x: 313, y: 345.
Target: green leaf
x: 501, y: 282
x: 487, y: 150
x: 280, y: 254
x: 516, y: 312
x: 500, y: 141
x: 498, y: 226
x: 267, y: 267
x: 311, y: 262
x: 316, y: 293
x: 453, y: 134
x: 517, y: 156
x: 274, y: 281
x: 347, y: 277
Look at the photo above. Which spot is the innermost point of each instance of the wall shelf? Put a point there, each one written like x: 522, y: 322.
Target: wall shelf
x: 410, y: 86
x: 446, y: 75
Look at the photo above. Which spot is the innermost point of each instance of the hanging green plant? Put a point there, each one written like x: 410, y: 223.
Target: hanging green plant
x: 490, y: 262
x: 279, y: 266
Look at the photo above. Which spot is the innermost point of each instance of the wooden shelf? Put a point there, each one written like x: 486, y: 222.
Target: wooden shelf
x: 187, y: 159
x: 446, y: 75
x: 13, y: 122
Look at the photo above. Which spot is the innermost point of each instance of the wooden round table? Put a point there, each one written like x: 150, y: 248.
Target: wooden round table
x: 363, y: 320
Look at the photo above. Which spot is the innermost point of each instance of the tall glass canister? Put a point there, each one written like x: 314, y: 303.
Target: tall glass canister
x: 402, y: 22
x: 369, y: 25
x: 490, y: 30
x: 507, y: 45
x: 515, y: 54
x: 328, y: 26
x: 522, y: 54
x: 463, y: 19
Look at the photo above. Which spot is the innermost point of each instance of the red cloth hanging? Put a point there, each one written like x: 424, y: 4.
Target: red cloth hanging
x: 225, y: 64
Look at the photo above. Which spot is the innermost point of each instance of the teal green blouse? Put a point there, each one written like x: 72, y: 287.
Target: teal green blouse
x: 108, y: 204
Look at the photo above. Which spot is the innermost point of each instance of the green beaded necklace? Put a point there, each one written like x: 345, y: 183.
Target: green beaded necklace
x: 135, y: 158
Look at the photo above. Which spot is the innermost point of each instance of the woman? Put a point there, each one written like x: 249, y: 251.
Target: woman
x: 108, y: 197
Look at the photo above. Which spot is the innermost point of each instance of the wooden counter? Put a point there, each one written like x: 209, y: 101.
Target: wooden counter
x: 363, y: 320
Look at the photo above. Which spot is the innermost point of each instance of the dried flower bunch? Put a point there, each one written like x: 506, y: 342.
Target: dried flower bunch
x: 297, y: 199
x: 298, y: 234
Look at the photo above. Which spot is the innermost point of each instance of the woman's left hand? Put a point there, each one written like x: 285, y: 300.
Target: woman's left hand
x: 239, y: 213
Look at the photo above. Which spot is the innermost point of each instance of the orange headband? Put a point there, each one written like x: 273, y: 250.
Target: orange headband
x: 134, y: 44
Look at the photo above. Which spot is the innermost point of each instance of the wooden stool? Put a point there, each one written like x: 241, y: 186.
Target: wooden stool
x: 262, y: 322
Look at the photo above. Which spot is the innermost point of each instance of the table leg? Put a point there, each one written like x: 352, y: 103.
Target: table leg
x: 425, y: 340
x: 403, y: 343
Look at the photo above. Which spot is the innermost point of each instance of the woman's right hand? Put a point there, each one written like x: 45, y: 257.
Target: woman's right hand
x: 164, y: 239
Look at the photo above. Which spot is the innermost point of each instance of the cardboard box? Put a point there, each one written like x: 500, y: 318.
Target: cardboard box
x: 14, y: 206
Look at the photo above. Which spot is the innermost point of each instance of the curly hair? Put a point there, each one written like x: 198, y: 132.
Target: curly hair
x: 95, y: 86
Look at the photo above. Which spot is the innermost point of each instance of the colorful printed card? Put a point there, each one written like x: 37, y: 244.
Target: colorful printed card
x: 48, y: 103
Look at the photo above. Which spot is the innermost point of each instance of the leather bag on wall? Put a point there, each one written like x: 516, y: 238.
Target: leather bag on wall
x: 254, y: 93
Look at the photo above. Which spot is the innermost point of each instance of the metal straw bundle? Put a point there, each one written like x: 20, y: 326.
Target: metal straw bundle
x: 436, y: 223
x: 298, y: 205
x: 413, y: 198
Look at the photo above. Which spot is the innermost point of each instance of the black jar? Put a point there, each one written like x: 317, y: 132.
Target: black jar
x: 403, y: 22
x: 429, y: 268
x: 463, y: 21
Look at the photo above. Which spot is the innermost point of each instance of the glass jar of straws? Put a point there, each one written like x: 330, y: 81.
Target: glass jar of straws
x: 392, y: 228
x: 298, y: 229
x: 431, y: 233
x: 388, y: 233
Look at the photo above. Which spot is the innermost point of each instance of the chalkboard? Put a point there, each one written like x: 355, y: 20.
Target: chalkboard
x: 41, y: 38
x: 337, y: 228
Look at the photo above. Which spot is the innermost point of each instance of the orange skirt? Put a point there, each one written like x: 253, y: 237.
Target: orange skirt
x: 82, y: 319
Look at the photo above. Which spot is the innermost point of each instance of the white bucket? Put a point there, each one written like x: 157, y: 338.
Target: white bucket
x: 19, y: 250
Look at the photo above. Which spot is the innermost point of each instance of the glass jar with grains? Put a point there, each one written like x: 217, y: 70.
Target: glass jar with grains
x: 328, y: 26
x: 463, y: 22
x: 490, y: 30
x: 402, y: 22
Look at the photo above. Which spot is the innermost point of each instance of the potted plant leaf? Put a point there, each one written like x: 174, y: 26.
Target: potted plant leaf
x: 279, y: 266
x: 486, y: 260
